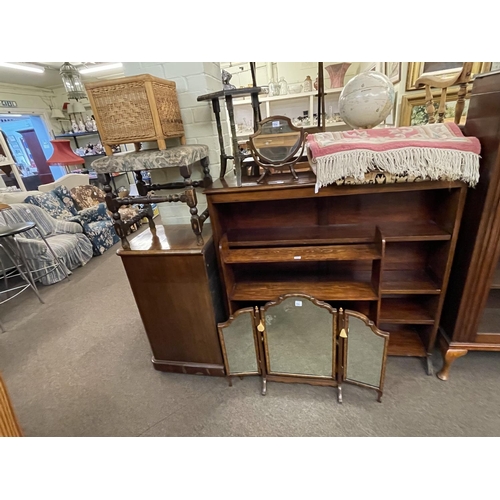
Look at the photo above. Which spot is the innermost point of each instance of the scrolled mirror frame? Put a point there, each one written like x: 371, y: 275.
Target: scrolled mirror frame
x: 333, y: 311
x: 228, y: 323
x: 344, y: 348
x: 289, y: 161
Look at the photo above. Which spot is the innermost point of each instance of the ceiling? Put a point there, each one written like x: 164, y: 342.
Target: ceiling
x: 51, y: 78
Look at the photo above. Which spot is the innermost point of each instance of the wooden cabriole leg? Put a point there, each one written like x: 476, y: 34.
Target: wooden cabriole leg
x: 449, y: 356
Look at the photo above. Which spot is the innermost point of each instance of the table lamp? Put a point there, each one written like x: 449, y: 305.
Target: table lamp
x: 63, y: 155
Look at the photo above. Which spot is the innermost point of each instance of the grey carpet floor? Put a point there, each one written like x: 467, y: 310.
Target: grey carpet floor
x: 80, y: 366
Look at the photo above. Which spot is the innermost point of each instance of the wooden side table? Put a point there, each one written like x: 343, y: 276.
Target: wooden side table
x: 228, y: 95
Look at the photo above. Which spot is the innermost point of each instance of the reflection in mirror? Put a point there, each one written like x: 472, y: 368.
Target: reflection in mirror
x: 365, y: 353
x: 299, y: 338
x: 277, y: 141
x: 238, y: 343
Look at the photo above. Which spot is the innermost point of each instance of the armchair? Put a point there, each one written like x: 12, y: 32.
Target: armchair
x: 96, y: 223
x: 65, y: 238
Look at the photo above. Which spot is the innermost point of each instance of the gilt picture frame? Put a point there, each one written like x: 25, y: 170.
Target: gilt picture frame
x: 417, y: 69
x: 413, y: 111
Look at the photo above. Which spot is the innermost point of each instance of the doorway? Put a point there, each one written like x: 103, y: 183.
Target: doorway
x: 29, y: 142
x: 35, y: 155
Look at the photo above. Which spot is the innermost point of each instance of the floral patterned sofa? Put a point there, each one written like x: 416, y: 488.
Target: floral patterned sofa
x: 96, y: 223
x: 65, y: 238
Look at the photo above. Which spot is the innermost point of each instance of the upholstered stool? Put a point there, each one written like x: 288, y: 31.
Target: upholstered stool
x: 182, y: 157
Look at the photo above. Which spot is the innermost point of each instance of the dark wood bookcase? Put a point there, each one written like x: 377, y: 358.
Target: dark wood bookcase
x: 383, y: 250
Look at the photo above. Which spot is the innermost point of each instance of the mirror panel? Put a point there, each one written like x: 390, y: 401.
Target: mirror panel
x: 238, y: 343
x: 276, y: 140
x: 299, y: 337
x: 365, y: 352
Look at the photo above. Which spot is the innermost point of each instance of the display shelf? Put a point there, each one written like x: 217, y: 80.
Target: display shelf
x: 79, y: 134
x: 363, y: 251
x: 323, y: 290
x: 93, y: 156
x: 336, y: 234
x: 409, y: 281
x: 404, y: 341
x: 298, y: 95
x: 331, y: 125
x: 405, y: 311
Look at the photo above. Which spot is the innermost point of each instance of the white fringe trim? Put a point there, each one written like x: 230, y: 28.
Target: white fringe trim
x: 431, y: 163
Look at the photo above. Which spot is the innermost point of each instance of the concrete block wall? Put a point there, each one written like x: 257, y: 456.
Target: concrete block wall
x: 192, y: 80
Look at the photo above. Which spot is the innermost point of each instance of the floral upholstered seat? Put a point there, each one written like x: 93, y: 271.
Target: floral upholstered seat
x: 96, y: 223
x: 89, y: 196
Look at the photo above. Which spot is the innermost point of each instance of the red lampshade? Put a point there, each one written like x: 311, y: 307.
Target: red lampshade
x: 63, y: 154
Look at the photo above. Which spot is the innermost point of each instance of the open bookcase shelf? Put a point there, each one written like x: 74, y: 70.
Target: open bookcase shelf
x: 386, y: 248
x: 335, y: 234
x: 329, y: 291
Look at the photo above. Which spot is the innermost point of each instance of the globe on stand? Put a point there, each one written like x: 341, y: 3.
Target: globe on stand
x: 366, y: 100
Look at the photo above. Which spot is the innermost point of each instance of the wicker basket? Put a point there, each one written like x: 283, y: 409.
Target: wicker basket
x: 135, y: 109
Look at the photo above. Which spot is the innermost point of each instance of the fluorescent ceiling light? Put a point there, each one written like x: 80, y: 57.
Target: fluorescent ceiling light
x: 9, y: 115
x: 33, y: 69
x: 101, y: 67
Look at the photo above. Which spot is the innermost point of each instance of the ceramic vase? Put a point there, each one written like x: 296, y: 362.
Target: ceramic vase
x: 337, y: 74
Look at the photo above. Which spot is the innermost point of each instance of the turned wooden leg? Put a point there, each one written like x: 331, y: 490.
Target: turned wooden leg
x: 459, y: 108
x: 442, y: 106
x: 162, y: 144
x: 207, y: 178
x: 183, y: 140
x: 196, y: 222
x: 108, y: 150
x: 449, y: 356
x: 141, y: 185
x: 429, y: 104
x: 113, y: 207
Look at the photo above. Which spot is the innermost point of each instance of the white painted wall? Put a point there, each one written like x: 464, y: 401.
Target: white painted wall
x: 192, y: 80
x: 30, y: 100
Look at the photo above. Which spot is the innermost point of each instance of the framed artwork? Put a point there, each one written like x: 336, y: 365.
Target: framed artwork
x: 393, y: 71
x: 495, y: 66
x: 417, y: 69
x: 413, y: 111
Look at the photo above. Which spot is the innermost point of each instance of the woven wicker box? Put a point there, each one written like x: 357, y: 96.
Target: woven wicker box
x: 135, y: 109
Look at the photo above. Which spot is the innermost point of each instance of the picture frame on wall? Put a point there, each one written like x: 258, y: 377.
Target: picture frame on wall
x: 417, y: 69
x: 393, y: 71
x: 413, y: 109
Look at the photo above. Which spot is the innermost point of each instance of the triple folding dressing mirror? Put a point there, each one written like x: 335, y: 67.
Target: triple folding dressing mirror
x: 298, y: 338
